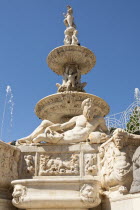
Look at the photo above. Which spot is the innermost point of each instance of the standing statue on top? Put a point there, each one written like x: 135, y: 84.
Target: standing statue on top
x: 69, y: 19
x: 70, y: 32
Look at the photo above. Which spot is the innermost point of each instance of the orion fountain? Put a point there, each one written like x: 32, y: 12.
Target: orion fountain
x: 71, y: 161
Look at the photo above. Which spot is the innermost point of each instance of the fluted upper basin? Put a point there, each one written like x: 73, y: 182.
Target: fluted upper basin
x: 63, y: 55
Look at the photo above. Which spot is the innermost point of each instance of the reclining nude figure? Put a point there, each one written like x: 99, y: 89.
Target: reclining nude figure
x: 77, y: 129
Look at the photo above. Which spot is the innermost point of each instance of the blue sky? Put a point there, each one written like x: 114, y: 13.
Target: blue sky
x: 30, y: 29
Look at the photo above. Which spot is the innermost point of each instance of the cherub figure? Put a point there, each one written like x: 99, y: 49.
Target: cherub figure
x: 29, y: 163
x: 67, y: 39
x: 74, y: 38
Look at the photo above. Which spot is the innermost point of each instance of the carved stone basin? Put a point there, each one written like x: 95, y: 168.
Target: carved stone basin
x: 61, y: 107
x: 52, y: 192
x: 79, y: 55
x: 59, y: 177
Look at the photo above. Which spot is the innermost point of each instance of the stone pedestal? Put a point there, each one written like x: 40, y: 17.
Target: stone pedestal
x: 58, y: 177
x: 9, y: 157
x: 126, y: 202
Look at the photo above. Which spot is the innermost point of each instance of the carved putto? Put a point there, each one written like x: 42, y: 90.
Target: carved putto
x: 71, y: 79
x: 30, y: 168
x: 50, y: 166
x: 91, y: 164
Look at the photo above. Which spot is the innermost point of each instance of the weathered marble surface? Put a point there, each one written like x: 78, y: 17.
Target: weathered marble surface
x: 126, y: 202
x: 135, y: 187
x: 63, y: 165
x: 57, y: 171
x: 83, y: 173
x: 116, y: 163
x: 9, y: 158
x: 58, y: 160
x: 6, y: 204
x: 61, y: 107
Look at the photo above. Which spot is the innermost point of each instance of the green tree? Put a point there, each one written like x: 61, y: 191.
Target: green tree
x: 133, y: 126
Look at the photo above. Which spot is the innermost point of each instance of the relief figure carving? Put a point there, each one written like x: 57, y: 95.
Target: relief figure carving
x: 71, y: 79
x: 91, y: 164
x: 116, y: 166
x: 30, y: 165
x: 56, y: 166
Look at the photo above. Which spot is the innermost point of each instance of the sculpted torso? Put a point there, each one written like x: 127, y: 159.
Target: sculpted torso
x: 121, y: 159
x: 116, y: 166
x: 118, y: 158
x: 82, y: 129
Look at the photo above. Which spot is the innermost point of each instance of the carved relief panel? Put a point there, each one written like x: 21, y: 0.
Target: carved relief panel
x: 60, y: 160
x: 116, y: 166
x: 27, y: 166
x: 90, y: 164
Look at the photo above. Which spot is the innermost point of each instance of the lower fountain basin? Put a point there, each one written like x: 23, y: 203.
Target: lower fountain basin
x: 56, y: 192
